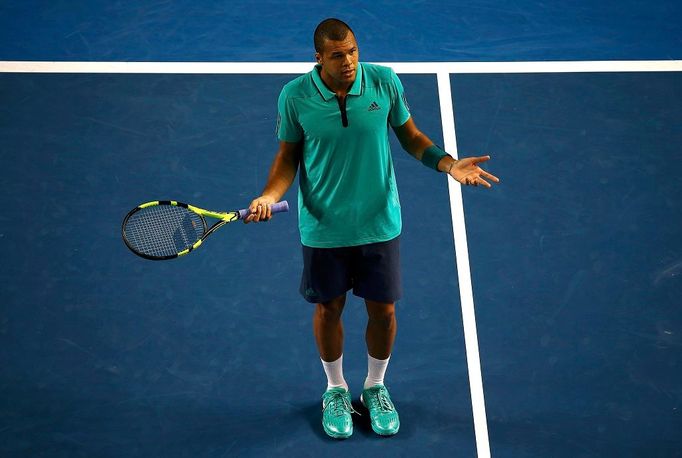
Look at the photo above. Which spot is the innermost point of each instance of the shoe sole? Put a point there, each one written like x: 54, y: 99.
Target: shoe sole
x: 385, y: 434
x: 336, y: 435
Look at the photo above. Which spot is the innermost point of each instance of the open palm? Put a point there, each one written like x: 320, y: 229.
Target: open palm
x: 467, y: 172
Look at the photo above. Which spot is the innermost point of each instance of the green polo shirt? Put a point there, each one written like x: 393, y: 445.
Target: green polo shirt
x: 347, y: 188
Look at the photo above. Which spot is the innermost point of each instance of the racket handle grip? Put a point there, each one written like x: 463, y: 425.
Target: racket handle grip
x: 279, y: 207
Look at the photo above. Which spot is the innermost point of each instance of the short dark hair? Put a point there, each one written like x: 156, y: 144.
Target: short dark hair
x: 330, y: 29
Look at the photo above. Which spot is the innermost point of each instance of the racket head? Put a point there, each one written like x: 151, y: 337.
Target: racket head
x: 163, y: 229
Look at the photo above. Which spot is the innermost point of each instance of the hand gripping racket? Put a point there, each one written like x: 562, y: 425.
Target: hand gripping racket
x: 166, y: 229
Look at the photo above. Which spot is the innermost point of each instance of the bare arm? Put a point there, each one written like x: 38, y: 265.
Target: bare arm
x: 415, y: 142
x: 282, y: 173
x: 465, y: 171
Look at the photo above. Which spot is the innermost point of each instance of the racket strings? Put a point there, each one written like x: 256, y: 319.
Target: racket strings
x: 163, y: 230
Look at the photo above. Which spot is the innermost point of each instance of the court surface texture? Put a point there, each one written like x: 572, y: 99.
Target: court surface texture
x: 571, y: 266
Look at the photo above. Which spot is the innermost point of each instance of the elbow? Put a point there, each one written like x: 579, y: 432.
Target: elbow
x: 415, y: 144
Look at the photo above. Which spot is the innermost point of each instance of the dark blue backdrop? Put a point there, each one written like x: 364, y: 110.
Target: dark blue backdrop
x: 455, y: 30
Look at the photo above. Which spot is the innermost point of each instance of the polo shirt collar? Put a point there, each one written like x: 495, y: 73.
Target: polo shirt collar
x: 356, y: 88
x: 327, y: 93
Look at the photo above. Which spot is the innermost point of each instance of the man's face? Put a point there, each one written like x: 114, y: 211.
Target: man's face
x: 339, y: 60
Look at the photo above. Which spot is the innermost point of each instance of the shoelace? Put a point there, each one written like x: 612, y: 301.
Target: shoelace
x: 381, y: 398
x: 340, y: 404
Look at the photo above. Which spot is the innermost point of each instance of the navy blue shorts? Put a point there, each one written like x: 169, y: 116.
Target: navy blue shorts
x: 372, y: 271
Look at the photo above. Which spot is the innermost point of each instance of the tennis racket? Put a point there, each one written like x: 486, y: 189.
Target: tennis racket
x: 166, y: 229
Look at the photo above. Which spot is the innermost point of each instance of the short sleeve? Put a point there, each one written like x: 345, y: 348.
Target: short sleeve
x: 288, y: 129
x: 400, y: 110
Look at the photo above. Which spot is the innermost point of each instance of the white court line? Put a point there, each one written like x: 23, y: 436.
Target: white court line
x: 303, y: 67
x: 447, y: 115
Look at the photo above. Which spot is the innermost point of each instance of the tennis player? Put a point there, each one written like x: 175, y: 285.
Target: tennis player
x: 333, y: 124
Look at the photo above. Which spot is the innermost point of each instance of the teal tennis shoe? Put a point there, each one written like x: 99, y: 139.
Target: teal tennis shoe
x: 382, y: 413
x: 336, y: 413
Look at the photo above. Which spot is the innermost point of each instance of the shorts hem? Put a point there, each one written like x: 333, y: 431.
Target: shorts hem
x: 317, y: 300
x: 386, y: 301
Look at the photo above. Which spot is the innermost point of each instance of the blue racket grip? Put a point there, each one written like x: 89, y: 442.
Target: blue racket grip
x: 279, y: 207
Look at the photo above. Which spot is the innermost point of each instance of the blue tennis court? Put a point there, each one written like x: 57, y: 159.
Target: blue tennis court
x: 572, y: 263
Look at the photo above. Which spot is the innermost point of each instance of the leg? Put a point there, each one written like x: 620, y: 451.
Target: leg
x: 377, y: 280
x: 336, y: 401
x: 381, y: 328
x: 328, y: 328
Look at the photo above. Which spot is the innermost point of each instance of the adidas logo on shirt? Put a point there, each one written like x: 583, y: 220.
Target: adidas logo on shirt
x: 374, y: 107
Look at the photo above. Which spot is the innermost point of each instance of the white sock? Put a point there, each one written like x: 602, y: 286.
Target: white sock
x: 334, y: 371
x: 376, y: 368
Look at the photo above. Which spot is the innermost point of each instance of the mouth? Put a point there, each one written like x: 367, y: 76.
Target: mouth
x: 348, y: 73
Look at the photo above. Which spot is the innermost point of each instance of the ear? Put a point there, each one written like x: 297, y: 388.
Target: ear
x: 318, y: 57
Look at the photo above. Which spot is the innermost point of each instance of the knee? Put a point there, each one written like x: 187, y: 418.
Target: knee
x: 382, y: 315
x: 330, y: 311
